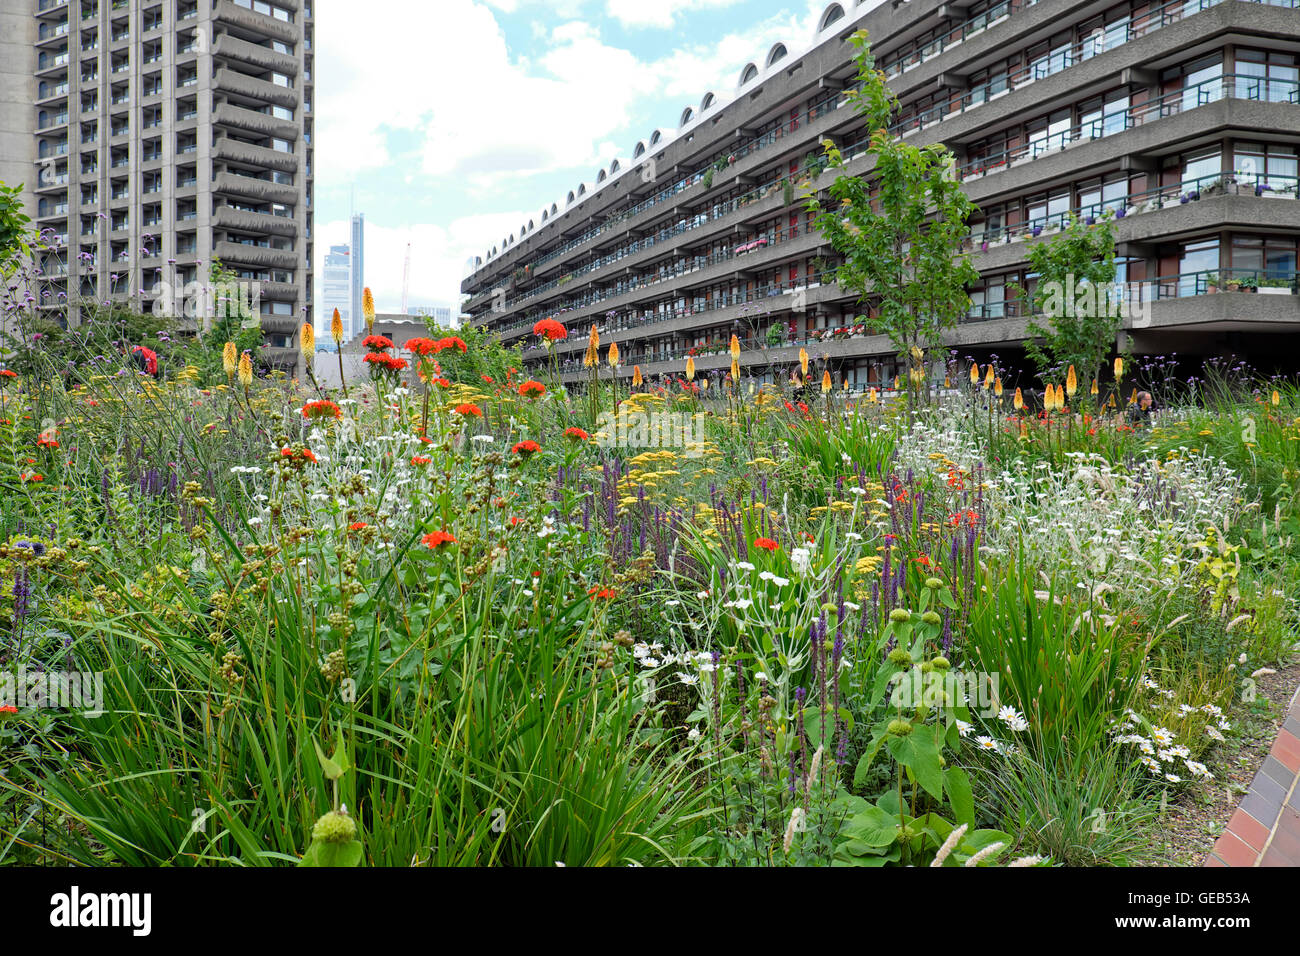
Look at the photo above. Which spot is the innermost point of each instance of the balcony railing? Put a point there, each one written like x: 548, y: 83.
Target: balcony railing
x: 1147, y: 200
x: 1230, y: 86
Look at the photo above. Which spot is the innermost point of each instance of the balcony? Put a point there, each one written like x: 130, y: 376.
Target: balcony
x: 254, y: 155
x: 231, y: 82
x: 256, y: 255
x: 231, y: 47
x: 256, y: 222
x: 261, y: 123
x: 235, y: 185
x: 228, y: 12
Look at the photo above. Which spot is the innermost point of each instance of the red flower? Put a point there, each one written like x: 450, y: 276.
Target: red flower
x: 442, y: 383
x: 488, y: 379
x: 8, y: 373
x: 469, y: 409
x: 421, y: 346
x: 515, y: 520
x: 550, y: 330
x: 8, y: 709
x: 377, y: 342
x: 417, y: 460
x: 357, y: 526
x: 452, y: 342
x: 46, y: 443
x: 577, y: 434
x: 436, y: 539
x: 531, y: 389
x: 605, y: 593
x: 31, y: 476
x: 767, y: 544
x: 321, y: 408
x: 308, y: 454
x: 526, y: 447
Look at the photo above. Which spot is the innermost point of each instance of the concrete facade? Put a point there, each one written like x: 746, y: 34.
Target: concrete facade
x: 1182, y: 119
x: 159, y: 135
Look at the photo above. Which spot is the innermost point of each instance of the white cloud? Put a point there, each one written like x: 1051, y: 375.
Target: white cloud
x: 656, y: 13
x: 444, y: 106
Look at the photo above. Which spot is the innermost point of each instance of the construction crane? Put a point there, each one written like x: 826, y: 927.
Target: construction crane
x: 406, y: 276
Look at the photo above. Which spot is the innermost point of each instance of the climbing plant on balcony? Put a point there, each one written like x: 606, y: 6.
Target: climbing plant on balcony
x: 899, y: 231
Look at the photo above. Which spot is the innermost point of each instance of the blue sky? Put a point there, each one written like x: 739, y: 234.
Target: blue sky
x: 452, y: 122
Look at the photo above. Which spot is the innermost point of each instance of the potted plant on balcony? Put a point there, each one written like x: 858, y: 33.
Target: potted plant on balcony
x: 775, y: 335
x: 1249, y: 283
x: 1276, y: 286
x: 1212, y: 283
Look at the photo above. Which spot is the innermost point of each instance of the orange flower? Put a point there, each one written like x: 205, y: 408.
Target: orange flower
x: 767, y: 544
x: 550, y: 330
x: 321, y: 408
x: 532, y: 389
x: 418, y: 460
x: 436, y: 539
x: 469, y: 410
x: 577, y: 434
x: 421, y: 346
x: 526, y: 447
x: 357, y: 526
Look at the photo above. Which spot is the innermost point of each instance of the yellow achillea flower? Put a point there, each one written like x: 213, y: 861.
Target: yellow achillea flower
x: 245, y: 370
x: 336, y: 328
x: 230, y: 359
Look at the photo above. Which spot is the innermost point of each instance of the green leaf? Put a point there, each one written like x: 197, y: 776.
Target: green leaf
x: 332, y: 854
x: 864, y: 762
x: 873, y: 826
x: 918, y: 753
x: 960, y: 797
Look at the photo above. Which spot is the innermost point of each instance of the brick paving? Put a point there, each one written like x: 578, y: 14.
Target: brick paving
x: 1265, y: 830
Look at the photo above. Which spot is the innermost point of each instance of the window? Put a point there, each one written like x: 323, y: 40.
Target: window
x: 1274, y: 258
x: 1199, y: 169
x: 1271, y: 165
x: 1267, y: 75
x: 1198, y: 260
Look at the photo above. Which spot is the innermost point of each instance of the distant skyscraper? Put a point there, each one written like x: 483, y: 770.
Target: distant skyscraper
x: 357, y: 280
x: 336, y: 293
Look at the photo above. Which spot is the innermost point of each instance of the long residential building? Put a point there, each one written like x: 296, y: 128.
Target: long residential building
x: 1183, y: 118
x: 160, y: 135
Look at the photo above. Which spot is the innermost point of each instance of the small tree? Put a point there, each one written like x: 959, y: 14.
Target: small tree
x: 1076, y: 274
x: 13, y: 225
x: 900, y: 233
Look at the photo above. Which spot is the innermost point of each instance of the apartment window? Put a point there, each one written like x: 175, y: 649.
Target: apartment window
x: 1198, y: 168
x: 1198, y: 259
x: 1274, y: 258
x: 1202, y: 82
x: 1104, y: 116
x: 1267, y: 75
x: 279, y: 79
x: 283, y: 145
x: 1268, y: 165
x: 281, y: 112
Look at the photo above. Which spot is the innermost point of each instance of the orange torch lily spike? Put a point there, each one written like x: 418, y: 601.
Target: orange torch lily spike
x: 1071, y: 382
